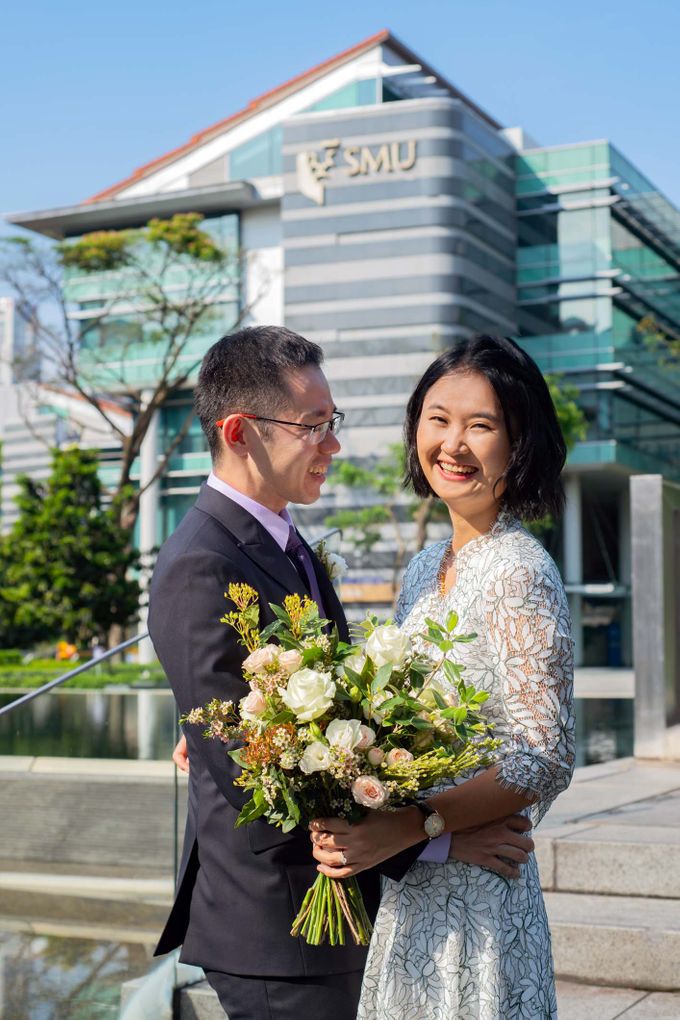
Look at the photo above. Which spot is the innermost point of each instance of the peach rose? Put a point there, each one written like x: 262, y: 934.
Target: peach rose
x: 369, y: 792
x: 398, y: 756
x: 376, y: 755
x: 252, y: 706
x: 290, y: 661
x: 366, y: 738
x: 261, y: 658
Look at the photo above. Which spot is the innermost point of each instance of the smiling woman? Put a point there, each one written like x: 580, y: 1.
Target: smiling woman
x: 451, y: 938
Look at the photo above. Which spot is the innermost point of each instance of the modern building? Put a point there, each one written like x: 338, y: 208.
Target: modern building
x: 383, y: 214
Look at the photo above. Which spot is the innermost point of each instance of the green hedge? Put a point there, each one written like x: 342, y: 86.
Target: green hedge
x: 41, y: 671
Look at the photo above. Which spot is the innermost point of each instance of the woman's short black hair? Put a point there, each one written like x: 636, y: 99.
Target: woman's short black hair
x: 533, y: 486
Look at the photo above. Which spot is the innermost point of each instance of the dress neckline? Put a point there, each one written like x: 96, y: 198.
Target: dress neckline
x: 504, y: 522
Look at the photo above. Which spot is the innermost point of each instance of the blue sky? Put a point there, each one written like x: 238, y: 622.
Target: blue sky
x: 90, y: 91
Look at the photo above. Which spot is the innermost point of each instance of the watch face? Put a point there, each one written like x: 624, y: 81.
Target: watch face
x: 434, y: 825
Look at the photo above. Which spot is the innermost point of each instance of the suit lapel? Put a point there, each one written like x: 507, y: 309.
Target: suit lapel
x: 258, y: 545
x: 251, y: 537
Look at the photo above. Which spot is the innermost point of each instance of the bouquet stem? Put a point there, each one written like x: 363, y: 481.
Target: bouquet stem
x: 328, y: 906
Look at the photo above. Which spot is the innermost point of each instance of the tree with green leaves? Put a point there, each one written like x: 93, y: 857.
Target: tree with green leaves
x: 66, y: 563
x: 382, y: 484
x: 664, y: 346
x: 123, y: 318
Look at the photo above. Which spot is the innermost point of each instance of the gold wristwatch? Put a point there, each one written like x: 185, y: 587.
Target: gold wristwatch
x: 434, y: 824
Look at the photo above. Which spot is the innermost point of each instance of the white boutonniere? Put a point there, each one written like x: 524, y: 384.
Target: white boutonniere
x: 334, y: 565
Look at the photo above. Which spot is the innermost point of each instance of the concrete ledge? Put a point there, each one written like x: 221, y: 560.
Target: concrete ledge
x: 91, y: 769
x: 620, y: 941
x: 73, y: 908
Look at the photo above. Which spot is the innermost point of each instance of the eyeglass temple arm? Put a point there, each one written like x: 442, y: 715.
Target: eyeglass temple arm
x: 221, y: 422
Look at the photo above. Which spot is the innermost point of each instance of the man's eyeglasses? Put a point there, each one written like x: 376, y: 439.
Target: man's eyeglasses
x: 315, y: 433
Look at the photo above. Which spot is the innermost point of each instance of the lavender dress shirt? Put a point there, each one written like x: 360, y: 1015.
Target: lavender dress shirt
x: 278, y: 526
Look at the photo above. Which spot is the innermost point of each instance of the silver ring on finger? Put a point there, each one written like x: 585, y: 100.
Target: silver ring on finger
x: 343, y: 859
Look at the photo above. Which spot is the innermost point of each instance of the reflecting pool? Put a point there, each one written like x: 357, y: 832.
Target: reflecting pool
x: 48, y: 977
x: 120, y: 723
x: 141, y: 724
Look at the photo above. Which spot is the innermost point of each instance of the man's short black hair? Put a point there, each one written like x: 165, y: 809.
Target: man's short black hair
x: 533, y: 486
x: 246, y: 371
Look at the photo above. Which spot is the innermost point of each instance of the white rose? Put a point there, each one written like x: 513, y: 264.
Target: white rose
x: 369, y: 792
x: 309, y: 694
x: 367, y: 738
x: 290, y: 661
x: 337, y: 566
x: 375, y: 755
x: 252, y: 706
x: 398, y: 756
x: 261, y: 658
x: 316, y: 758
x: 355, y: 662
x: 387, y: 644
x: 344, y: 733
x: 375, y: 715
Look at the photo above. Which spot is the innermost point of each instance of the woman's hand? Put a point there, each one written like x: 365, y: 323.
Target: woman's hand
x: 180, y: 755
x: 343, y: 849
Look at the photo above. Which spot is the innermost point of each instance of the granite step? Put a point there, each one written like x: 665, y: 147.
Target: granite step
x: 621, y: 941
x: 574, y: 1002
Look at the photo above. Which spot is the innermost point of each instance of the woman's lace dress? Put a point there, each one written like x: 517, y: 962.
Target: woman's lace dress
x: 455, y: 940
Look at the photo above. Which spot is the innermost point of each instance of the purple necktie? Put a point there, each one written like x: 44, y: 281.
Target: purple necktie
x: 302, y: 561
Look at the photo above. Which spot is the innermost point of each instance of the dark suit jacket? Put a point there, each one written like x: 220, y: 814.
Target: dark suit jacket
x: 238, y: 889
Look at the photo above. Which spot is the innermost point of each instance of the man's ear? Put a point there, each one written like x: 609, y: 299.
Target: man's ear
x: 232, y: 433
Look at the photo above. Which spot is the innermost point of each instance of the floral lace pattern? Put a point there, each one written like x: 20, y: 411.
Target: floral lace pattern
x: 454, y: 940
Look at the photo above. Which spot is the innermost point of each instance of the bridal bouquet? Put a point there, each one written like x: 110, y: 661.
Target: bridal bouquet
x: 332, y: 729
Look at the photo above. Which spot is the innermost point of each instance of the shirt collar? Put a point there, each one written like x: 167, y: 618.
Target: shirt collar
x: 278, y: 525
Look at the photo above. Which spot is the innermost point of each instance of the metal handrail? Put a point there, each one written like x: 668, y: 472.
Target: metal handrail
x: 73, y: 672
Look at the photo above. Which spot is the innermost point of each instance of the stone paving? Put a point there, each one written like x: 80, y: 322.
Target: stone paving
x: 586, y: 1002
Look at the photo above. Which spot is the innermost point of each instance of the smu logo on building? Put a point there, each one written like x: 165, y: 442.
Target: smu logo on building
x: 316, y: 167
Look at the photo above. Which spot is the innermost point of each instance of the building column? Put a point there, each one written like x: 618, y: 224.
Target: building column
x: 148, y: 518
x: 649, y: 638
x: 625, y: 577
x: 573, y: 559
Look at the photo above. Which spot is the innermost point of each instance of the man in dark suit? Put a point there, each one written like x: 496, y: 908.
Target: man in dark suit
x: 267, y: 411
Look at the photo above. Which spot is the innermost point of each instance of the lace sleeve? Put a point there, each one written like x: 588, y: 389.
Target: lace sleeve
x: 529, y: 634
